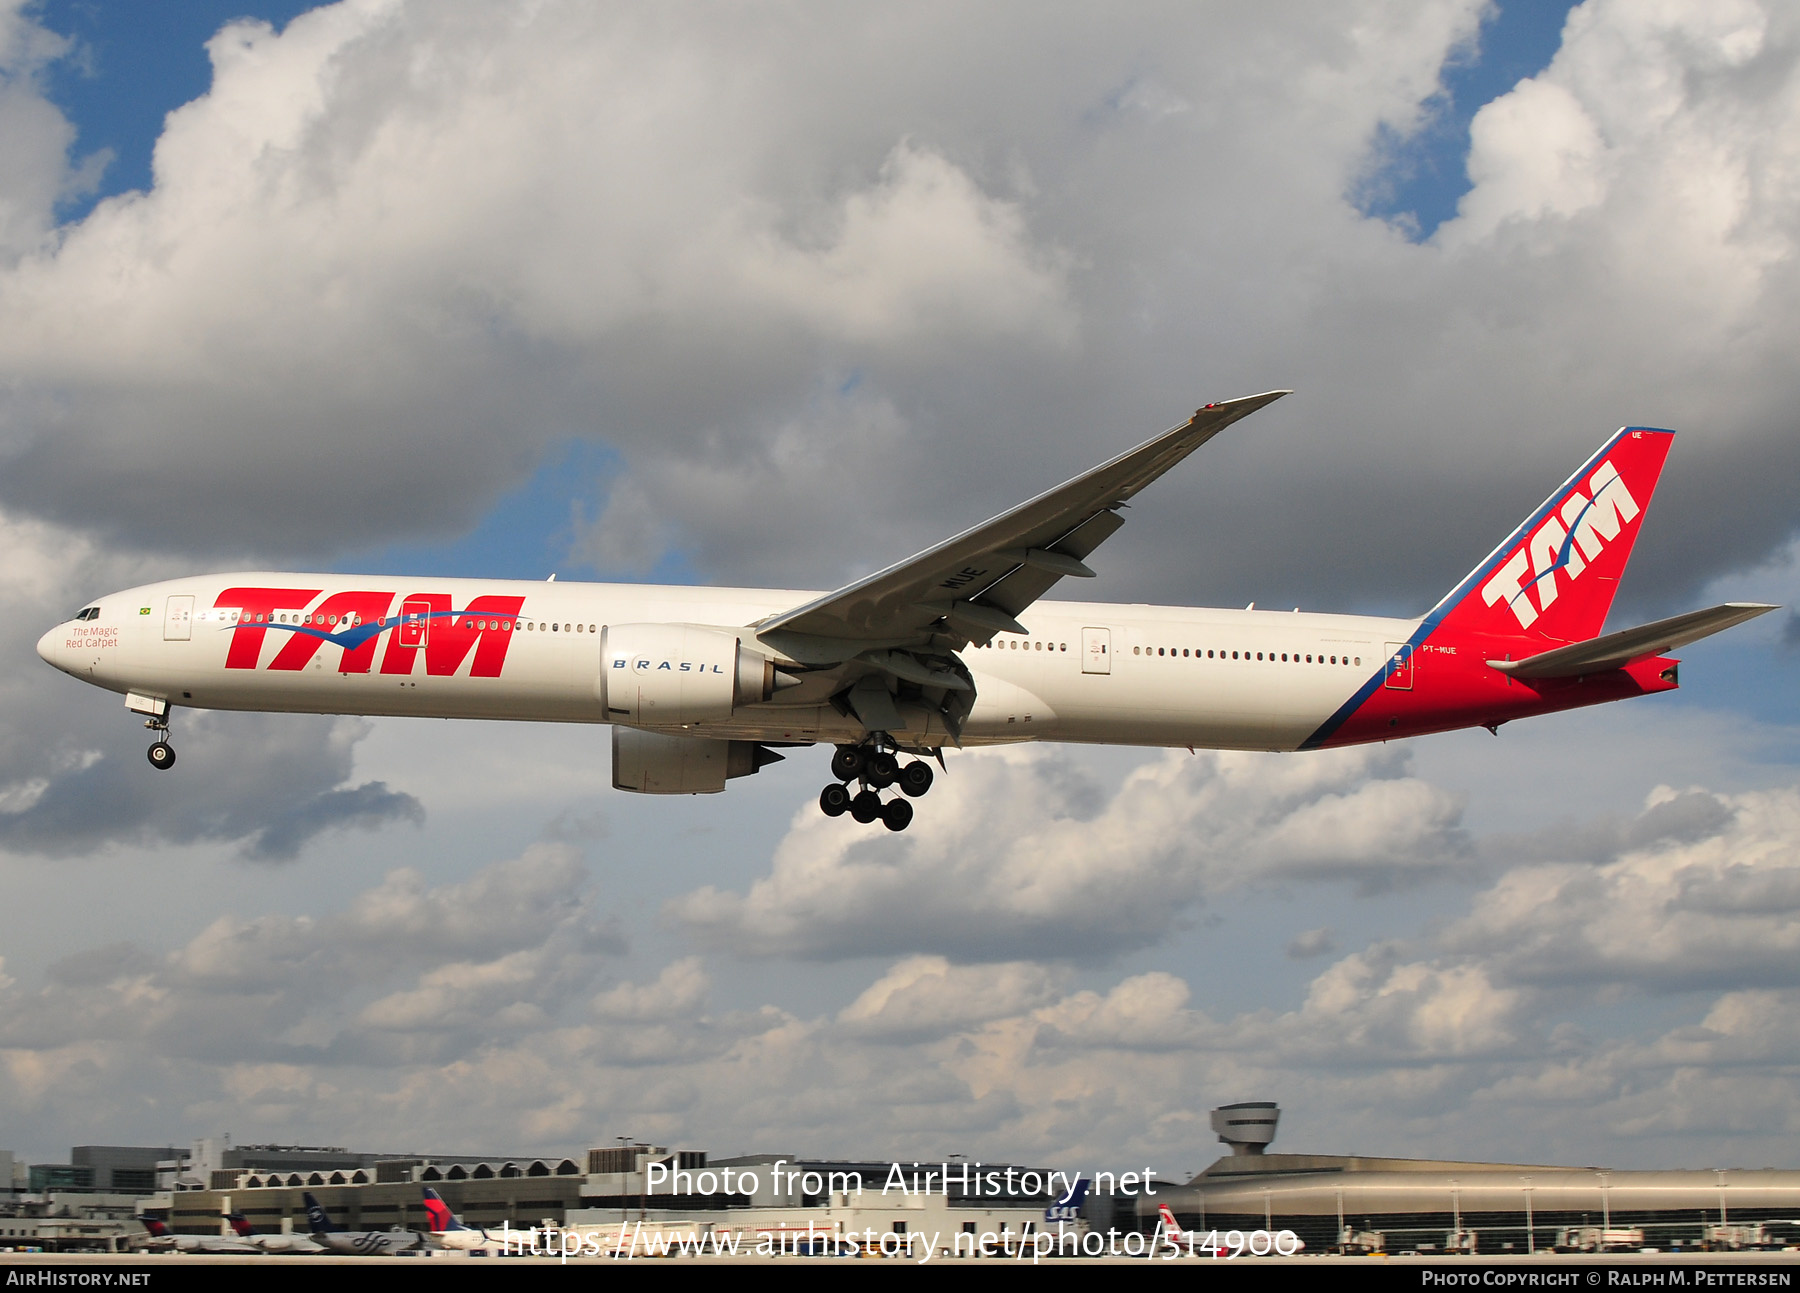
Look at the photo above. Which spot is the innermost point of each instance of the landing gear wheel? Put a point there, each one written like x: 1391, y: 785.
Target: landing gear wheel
x: 162, y: 755
x: 866, y: 807
x: 847, y: 763
x: 916, y: 778
x: 834, y: 800
x: 882, y: 769
x: 897, y: 815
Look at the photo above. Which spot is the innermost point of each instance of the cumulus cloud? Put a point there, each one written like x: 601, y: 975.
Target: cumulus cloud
x: 397, y: 252
x: 376, y: 180
x: 929, y: 1058
x: 925, y: 996
x: 1025, y: 853
x: 491, y: 1005
x: 1707, y: 900
x: 405, y: 972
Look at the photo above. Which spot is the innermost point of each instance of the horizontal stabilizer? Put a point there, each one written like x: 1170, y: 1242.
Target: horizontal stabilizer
x: 1616, y: 650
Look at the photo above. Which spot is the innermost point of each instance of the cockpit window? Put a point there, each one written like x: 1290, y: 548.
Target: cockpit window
x: 91, y: 613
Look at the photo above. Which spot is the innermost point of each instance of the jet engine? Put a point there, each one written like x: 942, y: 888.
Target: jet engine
x: 653, y: 763
x: 671, y: 675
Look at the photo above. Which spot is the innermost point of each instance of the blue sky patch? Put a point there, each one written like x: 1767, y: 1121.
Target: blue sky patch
x: 529, y: 533
x: 132, y: 64
x: 1418, y: 179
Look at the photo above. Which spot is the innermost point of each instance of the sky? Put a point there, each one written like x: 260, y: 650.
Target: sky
x: 775, y: 295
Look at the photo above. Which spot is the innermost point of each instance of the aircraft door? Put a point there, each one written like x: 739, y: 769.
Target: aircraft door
x: 1399, y: 666
x: 415, y: 622
x: 1096, y: 650
x: 178, y: 619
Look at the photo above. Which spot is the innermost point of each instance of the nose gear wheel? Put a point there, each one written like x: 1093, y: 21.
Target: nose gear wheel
x: 162, y: 754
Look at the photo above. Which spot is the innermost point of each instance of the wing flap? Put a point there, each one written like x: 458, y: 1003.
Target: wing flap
x: 1616, y: 650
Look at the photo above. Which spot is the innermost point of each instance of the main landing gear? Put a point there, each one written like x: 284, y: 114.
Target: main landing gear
x: 876, y: 769
x: 162, y: 754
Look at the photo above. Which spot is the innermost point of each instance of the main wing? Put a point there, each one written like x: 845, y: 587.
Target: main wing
x: 974, y: 585
x: 894, y: 635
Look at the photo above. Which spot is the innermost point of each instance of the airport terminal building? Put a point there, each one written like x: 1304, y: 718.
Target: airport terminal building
x: 1333, y: 1203
x: 1364, y: 1204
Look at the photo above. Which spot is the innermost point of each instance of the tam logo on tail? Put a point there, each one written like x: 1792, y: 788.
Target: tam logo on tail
x: 1555, y: 576
x: 1591, y: 523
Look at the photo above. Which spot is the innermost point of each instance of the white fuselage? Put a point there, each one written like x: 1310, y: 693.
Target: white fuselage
x: 1087, y: 672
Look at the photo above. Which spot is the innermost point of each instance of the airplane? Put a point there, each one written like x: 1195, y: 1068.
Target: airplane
x: 272, y: 1243
x: 367, y: 1243
x: 163, y: 1239
x: 447, y: 1231
x: 1067, y: 1209
x: 950, y: 648
x: 1173, y: 1234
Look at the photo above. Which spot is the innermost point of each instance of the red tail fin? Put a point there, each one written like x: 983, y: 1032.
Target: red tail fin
x: 1554, y: 577
x: 438, y: 1211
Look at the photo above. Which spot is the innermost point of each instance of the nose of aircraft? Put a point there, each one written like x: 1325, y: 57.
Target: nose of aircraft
x: 49, y: 645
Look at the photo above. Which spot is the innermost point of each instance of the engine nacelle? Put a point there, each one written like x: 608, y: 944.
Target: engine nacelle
x: 653, y: 763
x: 670, y: 675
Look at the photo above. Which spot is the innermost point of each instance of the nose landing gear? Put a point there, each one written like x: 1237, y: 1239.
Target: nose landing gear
x: 876, y: 769
x: 162, y: 754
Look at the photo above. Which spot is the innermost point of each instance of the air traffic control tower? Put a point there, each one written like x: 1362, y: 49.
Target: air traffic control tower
x: 1247, y: 1127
